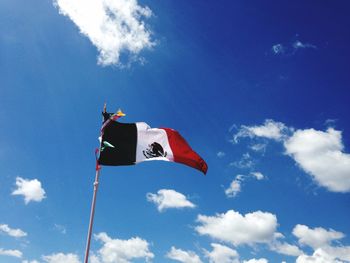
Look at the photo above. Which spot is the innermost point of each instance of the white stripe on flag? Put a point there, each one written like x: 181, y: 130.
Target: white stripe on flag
x: 146, y: 136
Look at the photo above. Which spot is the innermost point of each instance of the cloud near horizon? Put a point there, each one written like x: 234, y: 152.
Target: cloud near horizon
x: 114, y: 27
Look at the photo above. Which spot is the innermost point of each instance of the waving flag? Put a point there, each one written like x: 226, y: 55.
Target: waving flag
x: 131, y: 143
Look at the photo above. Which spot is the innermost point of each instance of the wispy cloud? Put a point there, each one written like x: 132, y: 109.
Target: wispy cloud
x: 289, y: 49
x: 278, y: 49
x: 269, y: 130
x: 114, y: 27
x: 245, y: 162
x: 168, y: 198
x: 12, y: 232
x: 60, y: 228
x: 11, y: 253
x: 30, y: 189
x: 220, y: 154
x: 236, y: 185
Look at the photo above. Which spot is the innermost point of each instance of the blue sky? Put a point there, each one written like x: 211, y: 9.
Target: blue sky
x: 258, y: 89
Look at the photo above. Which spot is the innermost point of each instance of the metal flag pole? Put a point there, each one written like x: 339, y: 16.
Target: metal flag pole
x: 93, y: 204
x: 92, y: 213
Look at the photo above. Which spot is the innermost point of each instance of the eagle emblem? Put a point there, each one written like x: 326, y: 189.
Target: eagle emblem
x: 154, y: 150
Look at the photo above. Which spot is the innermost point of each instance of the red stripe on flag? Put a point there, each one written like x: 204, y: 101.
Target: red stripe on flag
x: 183, y: 153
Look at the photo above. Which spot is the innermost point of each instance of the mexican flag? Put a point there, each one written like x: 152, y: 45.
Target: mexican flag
x: 132, y: 143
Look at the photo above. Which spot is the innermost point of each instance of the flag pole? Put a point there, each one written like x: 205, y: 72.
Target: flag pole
x: 93, y: 204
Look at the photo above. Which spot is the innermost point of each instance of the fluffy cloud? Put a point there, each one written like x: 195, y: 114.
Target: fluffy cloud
x: 270, y: 130
x: 61, y: 258
x: 122, y: 251
x: 30, y: 189
x: 168, y: 198
x: 31, y: 261
x: 236, y: 184
x: 317, y: 237
x: 11, y: 252
x: 183, y: 256
x: 321, y: 155
x: 286, y: 249
x: 319, y: 256
x: 237, y: 229
x: 113, y: 27
x: 222, y: 254
x: 12, y: 232
x: 321, y: 241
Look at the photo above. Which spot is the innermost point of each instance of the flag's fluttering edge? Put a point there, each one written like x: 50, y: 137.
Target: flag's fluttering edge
x: 131, y: 143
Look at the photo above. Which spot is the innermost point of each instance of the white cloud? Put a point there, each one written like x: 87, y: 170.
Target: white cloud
x: 122, y: 251
x: 286, y: 249
x: 278, y: 49
x: 183, y: 256
x: 220, y: 154
x: 222, y: 254
x: 236, y: 185
x: 168, y: 198
x: 234, y: 188
x: 290, y: 48
x: 340, y: 252
x: 31, y: 261
x: 319, y: 256
x: 260, y: 260
x: 61, y: 258
x: 258, y: 147
x: 114, y: 27
x: 270, y: 130
x: 321, y: 155
x: 298, y: 44
x: 237, y: 229
x: 321, y: 241
x: 12, y: 232
x: 30, y: 189
x: 11, y: 253
x: 259, y: 176
x: 245, y: 162
x: 317, y: 237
